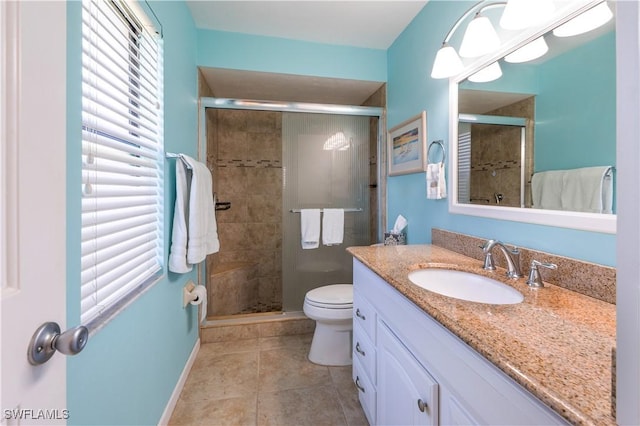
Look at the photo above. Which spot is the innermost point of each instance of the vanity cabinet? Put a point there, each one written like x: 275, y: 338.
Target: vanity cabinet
x: 418, y: 372
x: 407, y: 394
x: 364, y: 354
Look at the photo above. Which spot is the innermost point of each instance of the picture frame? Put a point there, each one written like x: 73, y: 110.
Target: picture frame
x: 407, y: 146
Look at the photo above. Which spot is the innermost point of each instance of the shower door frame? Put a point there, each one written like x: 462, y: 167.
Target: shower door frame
x: 314, y: 108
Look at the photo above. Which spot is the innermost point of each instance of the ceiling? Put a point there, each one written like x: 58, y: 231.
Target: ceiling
x: 370, y: 24
x: 365, y: 24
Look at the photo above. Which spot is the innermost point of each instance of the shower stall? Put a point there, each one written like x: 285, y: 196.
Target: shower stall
x: 268, y: 161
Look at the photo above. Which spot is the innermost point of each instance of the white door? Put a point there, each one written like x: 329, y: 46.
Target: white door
x: 32, y: 205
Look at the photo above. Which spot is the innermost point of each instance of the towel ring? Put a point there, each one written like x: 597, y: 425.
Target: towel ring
x: 438, y: 142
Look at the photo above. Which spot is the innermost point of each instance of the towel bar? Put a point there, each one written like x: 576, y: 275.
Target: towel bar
x: 174, y: 155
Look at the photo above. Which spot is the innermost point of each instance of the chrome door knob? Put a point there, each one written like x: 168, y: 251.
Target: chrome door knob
x: 47, y: 340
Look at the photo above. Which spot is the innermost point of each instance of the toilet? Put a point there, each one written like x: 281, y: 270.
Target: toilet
x: 331, y: 307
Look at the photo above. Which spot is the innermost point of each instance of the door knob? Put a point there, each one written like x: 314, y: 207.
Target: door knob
x: 47, y: 340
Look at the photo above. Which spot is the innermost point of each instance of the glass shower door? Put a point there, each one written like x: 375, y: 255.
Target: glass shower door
x: 325, y: 165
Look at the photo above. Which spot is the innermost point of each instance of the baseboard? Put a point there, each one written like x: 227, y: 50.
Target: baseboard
x: 168, y: 410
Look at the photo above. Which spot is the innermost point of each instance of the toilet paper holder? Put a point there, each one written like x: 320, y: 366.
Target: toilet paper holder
x: 188, y: 295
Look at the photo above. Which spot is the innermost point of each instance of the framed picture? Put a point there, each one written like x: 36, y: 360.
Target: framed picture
x: 406, y: 146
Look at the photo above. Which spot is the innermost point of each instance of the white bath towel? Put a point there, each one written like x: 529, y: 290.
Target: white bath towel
x: 436, y: 183
x: 332, y: 226
x: 310, y: 228
x: 546, y: 189
x: 194, y: 233
x: 179, y: 234
x: 587, y: 189
x: 203, y: 230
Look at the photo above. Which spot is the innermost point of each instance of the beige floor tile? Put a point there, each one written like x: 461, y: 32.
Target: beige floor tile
x: 232, y: 411
x: 294, y: 341
x: 341, y: 376
x: 244, y: 379
x: 351, y: 407
x: 230, y: 347
x: 310, y: 406
x: 289, y: 368
x: 222, y: 376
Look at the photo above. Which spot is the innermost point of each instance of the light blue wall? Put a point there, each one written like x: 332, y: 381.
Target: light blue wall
x: 575, y: 126
x: 410, y: 89
x: 219, y: 49
x: 128, y: 369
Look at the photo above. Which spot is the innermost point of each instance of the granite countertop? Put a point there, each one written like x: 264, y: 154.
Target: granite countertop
x: 556, y: 343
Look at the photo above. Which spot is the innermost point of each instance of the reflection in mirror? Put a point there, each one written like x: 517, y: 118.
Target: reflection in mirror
x: 493, y: 167
x: 566, y: 102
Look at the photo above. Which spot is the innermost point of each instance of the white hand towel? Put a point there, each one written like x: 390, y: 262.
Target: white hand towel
x: 310, y: 228
x: 586, y: 190
x: 436, y: 183
x: 546, y: 189
x: 203, y: 230
x: 179, y: 235
x: 332, y: 227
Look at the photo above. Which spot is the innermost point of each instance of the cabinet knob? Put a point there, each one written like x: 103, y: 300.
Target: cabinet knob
x: 422, y: 406
x: 358, y: 385
x: 359, y: 314
x: 359, y: 350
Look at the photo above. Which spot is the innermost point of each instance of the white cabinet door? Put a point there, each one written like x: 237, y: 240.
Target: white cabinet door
x: 407, y: 394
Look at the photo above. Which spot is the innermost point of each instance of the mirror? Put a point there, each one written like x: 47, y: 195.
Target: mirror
x: 526, y: 145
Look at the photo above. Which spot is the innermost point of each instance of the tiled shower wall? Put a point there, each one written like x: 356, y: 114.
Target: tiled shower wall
x: 495, y: 158
x: 377, y: 99
x: 244, y: 151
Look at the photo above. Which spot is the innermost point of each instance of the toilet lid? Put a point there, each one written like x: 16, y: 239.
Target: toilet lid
x: 335, y: 295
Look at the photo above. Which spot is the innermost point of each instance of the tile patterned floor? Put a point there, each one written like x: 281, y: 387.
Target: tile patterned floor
x: 266, y: 381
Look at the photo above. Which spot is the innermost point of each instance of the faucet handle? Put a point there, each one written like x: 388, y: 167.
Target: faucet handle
x: 535, y: 279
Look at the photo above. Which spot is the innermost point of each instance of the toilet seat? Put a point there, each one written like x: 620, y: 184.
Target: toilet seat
x: 335, y: 296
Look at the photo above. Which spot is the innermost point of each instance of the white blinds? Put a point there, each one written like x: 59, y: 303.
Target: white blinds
x: 122, y: 145
x: 464, y: 167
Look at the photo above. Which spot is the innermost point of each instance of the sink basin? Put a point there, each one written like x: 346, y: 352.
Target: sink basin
x: 466, y: 286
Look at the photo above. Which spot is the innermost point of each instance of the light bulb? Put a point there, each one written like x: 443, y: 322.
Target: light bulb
x: 585, y: 22
x: 528, y: 52
x: 489, y: 73
x: 447, y: 63
x: 520, y: 14
x: 479, y: 39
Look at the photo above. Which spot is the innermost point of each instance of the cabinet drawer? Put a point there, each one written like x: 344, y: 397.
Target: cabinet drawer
x: 366, y: 391
x: 364, y: 351
x: 364, y: 315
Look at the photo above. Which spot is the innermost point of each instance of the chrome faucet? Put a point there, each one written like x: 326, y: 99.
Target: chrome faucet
x: 511, y: 255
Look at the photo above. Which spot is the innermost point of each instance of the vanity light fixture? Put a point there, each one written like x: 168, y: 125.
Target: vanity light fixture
x: 479, y: 38
x: 521, y: 14
x: 528, y: 52
x: 447, y: 62
x: 585, y: 22
x: 486, y: 74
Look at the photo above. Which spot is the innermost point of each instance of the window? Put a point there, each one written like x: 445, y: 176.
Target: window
x: 122, y: 146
